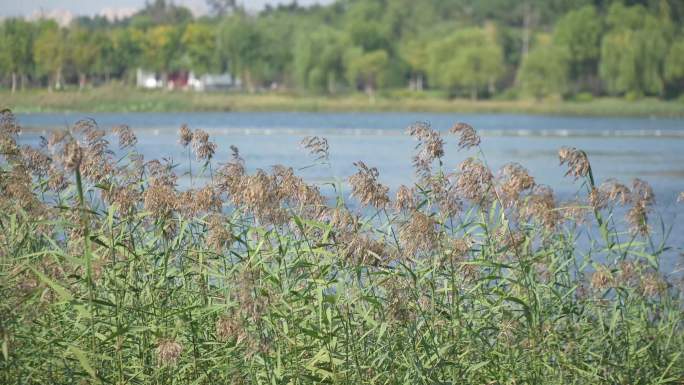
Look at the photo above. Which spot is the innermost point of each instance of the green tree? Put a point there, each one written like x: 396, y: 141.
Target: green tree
x: 633, y: 52
x: 278, y: 32
x: 363, y: 23
x: 161, y: 49
x: 367, y: 69
x: 160, y: 12
x: 49, y: 54
x: 127, y: 49
x: 415, y: 53
x: 468, y: 60
x: 319, y: 59
x: 545, y: 71
x: 199, y: 42
x: 579, y: 32
x: 83, y: 52
x: 16, y: 43
x: 674, y: 65
x: 239, y: 46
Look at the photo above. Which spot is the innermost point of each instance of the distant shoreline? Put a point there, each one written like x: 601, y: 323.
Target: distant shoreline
x: 123, y: 99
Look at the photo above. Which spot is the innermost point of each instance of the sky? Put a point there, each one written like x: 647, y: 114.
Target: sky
x: 32, y: 8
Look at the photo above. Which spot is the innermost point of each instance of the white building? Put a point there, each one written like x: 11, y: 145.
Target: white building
x: 208, y: 82
x: 144, y: 79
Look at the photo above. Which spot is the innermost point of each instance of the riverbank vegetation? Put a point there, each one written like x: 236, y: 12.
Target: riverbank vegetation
x: 460, y: 48
x: 118, y: 98
x: 111, y: 273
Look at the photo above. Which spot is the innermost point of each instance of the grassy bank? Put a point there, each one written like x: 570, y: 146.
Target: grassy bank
x: 123, y: 99
x: 109, y: 274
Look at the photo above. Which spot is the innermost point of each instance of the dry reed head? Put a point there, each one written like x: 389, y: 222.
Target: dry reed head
x: 36, y: 161
x: 404, y: 199
x: 612, y: 191
x: 198, y: 201
x: 204, y: 149
x: 514, y: 180
x: 642, y: 192
x: 637, y: 218
x: 9, y: 148
x: 459, y: 248
x: 16, y: 188
x: 161, y: 173
x: 219, y: 235
x: 652, y: 284
x: 418, y: 234
x: 160, y: 200
x: 126, y: 197
x: 72, y: 155
x: 443, y: 193
x: 318, y: 148
x: 430, y: 147
x: 628, y: 273
x: 541, y: 206
x: 127, y: 138
x: 642, y: 198
x: 366, y: 188
x: 8, y: 123
x: 364, y: 249
x: 602, y: 278
x: 342, y: 220
x: 57, y: 181
x: 468, y: 137
x: 168, y: 351
x: 474, y: 181
x: 260, y: 197
x: 597, y: 199
x: 576, y: 160
x: 229, y: 177
x: 228, y: 328
x: 184, y: 135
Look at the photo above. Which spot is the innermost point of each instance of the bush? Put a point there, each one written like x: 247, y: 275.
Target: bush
x: 583, y: 97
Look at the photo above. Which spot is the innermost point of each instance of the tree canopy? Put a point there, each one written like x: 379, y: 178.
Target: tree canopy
x: 463, y: 48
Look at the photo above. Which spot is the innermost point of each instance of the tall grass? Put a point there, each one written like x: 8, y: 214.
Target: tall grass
x: 110, y: 274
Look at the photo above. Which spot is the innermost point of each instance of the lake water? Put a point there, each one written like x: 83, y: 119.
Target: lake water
x: 621, y: 148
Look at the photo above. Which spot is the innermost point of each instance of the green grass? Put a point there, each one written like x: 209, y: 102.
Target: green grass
x: 125, y: 99
x: 118, y: 277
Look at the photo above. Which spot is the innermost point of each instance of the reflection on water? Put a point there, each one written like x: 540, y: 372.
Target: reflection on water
x: 623, y: 148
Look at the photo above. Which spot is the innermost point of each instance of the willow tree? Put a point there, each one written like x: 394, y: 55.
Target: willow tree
x: 319, y: 59
x: 469, y: 60
x: 633, y: 51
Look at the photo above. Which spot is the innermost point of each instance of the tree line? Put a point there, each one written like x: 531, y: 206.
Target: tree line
x: 460, y: 48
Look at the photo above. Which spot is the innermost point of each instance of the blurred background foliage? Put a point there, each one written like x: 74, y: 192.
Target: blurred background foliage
x: 461, y: 48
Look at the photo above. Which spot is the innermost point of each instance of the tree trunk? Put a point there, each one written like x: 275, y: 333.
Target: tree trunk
x: 331, y: 83
x: 419, y: 81
x: 58, y: 79
x: 249, y: 82
x: 370, y: 90
x: 14, y: 82
x: 473, y: 94
x: 82, y: 78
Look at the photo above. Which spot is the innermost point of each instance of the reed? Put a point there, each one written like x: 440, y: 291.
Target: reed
x: 109, y: 273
